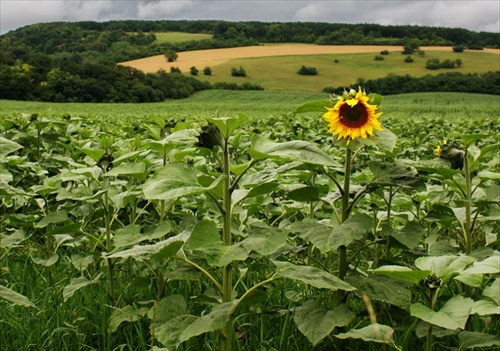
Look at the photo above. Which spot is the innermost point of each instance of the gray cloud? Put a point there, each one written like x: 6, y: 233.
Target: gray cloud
x: 476, y: 15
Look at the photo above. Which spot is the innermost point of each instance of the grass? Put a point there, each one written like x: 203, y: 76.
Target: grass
x: 280, y: 72
x: 177, y: 37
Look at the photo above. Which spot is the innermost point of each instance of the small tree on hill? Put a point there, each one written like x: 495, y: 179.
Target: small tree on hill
x: 238, y: 72
x: 171, y: 56
x: 307, y: 71
x: 207, y: 71
x: 194, y: 71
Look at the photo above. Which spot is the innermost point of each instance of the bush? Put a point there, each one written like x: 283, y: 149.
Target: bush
x: 458, y: 48
x: 384, y: 52
x: 307, y: 71
x: 238, y: 72
x: 379, y: 58
x: 194, y: 71
x: 207, y: 71
x: 409, y: 59
x: 433, y: 63
x: 175, y: 70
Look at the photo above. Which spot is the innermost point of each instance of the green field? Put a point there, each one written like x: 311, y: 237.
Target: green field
x: 177, y: 37
x: 256, y: 104
x: 123, y: 229
x: 280, y: 72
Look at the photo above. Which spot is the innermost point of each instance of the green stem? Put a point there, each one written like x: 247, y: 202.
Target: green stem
x: 468, y: 197
x: 227, y: 286
x: 345, y: 214
x: 107, y: 223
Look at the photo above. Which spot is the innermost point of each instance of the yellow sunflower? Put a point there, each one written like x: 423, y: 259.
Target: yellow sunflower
x: 353, y: 117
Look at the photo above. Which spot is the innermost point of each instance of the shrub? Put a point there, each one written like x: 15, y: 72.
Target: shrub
x: 307, y: 71
x: 207, y: 71
x: 175, y: 70
x: 409, y: 59
x: 194, y: 71
x: 238, y: 72
x: 379, y: 58
x: 384, y: 52
x: 433, y: 63
x: 458, y: 48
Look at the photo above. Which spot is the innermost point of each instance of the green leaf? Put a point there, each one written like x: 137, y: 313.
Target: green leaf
x: 212, y: 321
x: 314, y: 106
x: 375, y: 99
x: 125, y: 314
x: 95, y: 154
x: 403, y: 273
x: 204, y: 233
x: 74, y: 285
x: 396, y: 173
x: 471, y: 340
x: 46, y: 262
x: 383, y: 288
x: 374, y: 332
x: 14, y: 297
x: 328, y: 240
x: 136, y: 170
x: 227, y: 125
x: 8, y: 146
x: 453, y: 315
x: 485, y: 308
x: 53, y: 218
x: 384, y: 139
x: 490, y: 265
x: 296, y: 150
x: 174, y: 181
x: 304, y: 194
x: 310, y: 275
x: 220, y: 254
x: 140, y: 252
x: 471, y: 138
x: 316, y: 323
x: 492, y: 291
x: 445, y: 267
x: 411, y: 235
x: 265, y: 241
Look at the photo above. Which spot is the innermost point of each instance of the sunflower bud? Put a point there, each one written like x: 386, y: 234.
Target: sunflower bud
x: 210, y: 136
x: 452, y: 154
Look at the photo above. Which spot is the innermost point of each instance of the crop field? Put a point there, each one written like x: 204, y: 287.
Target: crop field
x: 234, y: 221
x: 177, y: 37
x: 275, y: 66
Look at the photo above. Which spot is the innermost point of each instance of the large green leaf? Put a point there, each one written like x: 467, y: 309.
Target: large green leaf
x: 125, y: 314
x: 141, y: 252
x: 328, y: 240
x: 445, y: 267
x: 264, y: 241
x: 14, y: 297
x: 212, y: 321
x: 204, y: 233
x: 396, y: 173
x: 471, y: 340
x: 220, y: 254
x: 312, y: 276
x: 490, y: 265
x: 453, y: 315
x: 53, y: 218
x: 316, y: 323
x: 410, y: 235
x: 383, y: 288
x: 74, y: 285
x: 374, y: 332
x: 8, y: 146
x: 129, y: 169
x: 403, y: 273
x: 174, y: 181
x: 227, y: 125
x: 296, y: 150
x: 314, y: 106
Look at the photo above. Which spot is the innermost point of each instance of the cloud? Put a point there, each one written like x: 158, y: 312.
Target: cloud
x: 159, y: 9
x: 310, y: 13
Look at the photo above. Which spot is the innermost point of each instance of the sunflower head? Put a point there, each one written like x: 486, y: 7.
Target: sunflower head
x: 353, y: 116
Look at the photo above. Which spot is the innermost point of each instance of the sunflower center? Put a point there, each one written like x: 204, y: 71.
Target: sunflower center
x: 353, y: 117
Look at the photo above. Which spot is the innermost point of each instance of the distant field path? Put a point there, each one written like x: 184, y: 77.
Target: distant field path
x: 214, y: 57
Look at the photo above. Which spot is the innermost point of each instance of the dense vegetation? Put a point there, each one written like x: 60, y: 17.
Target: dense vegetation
x: 487, y: 83
x: 77, y: 61
x: 113, y: 231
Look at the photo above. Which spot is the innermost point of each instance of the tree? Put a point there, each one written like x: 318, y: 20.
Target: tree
x: 171, y: 56
x: 238, y: 72
x: 307, y: 71
x: 194, y: 71
x: 207, y: 71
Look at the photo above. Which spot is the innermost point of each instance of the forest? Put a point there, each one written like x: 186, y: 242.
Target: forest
x: 76, y: 62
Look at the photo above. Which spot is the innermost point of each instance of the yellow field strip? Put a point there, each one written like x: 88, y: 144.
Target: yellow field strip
x: 213, y: 57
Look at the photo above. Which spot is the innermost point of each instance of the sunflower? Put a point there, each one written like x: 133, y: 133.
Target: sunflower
x: 353, y: 117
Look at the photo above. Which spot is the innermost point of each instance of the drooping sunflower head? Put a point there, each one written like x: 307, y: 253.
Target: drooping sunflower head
x: 353, y: 116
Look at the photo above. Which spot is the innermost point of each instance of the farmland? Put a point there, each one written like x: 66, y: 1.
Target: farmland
x: 145, y: 227
x: 275, y: 66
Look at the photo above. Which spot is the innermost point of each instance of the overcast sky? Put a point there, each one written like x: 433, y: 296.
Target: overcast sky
x: 475, y: 15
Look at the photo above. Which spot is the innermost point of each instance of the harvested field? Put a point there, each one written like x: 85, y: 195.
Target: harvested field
x: 214, y: 57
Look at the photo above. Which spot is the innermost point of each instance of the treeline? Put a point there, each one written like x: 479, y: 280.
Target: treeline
x: 481, y: 83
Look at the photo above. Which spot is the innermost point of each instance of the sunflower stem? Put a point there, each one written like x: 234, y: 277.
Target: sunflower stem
x: 345, y: 214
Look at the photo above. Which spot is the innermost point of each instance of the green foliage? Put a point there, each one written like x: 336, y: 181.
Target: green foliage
x: 307, y: 71
x: 238, y: 72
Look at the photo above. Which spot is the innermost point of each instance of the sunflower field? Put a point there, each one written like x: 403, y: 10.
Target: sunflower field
x: 332, y: 227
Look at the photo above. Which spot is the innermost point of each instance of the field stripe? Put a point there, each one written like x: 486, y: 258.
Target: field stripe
x: 214, y: 57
